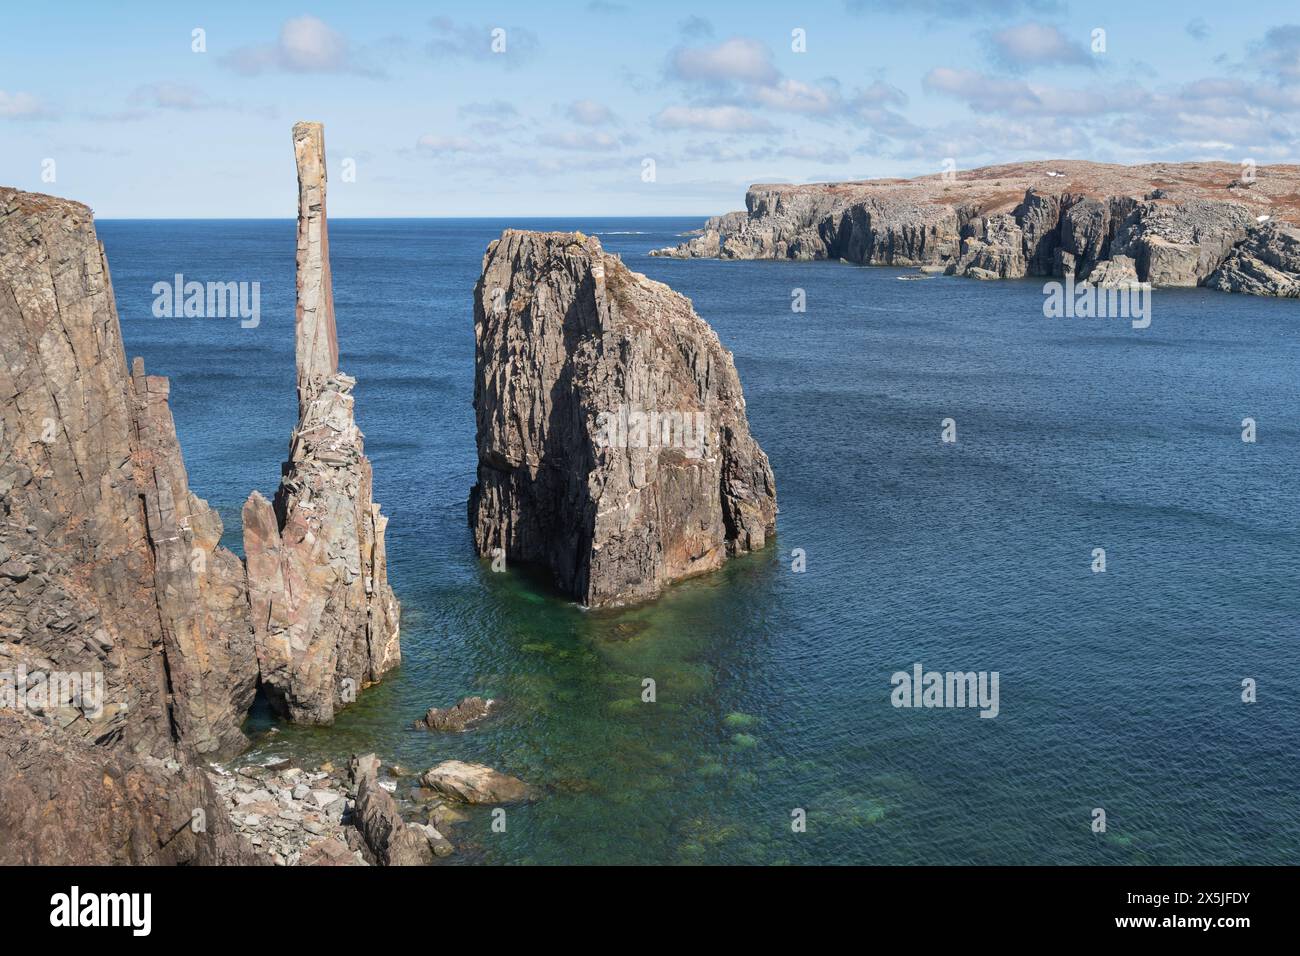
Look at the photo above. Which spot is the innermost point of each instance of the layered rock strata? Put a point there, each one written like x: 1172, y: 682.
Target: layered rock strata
x: 125, y: 642
x: 1181, y: 224
x: 613, y: 444
x: 325, y: 620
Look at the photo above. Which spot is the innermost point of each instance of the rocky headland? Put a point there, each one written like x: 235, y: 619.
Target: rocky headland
x: 1168, y: 224
x: 131, y: 643
x: 613, y: 444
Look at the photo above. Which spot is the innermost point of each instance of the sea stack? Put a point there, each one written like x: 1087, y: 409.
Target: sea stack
x: 325, y: 620
x: 613, y: 445
x: 125, y: 643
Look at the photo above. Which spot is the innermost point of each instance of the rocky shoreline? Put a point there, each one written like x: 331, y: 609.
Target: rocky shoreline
x: 1167, y: 224
x: 375, y: 814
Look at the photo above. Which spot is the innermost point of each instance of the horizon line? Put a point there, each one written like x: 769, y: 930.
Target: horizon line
x: 371, y: 218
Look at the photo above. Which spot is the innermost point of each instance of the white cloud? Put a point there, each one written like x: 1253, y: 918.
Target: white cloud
x: 171, y: 96
x: 22, y: 106
x: 488, y: 109
x: 590, y: 113
x: 795, y: 96
x: 442, y: 145
x: 807, y: 152
x: 879, y: 94
x: 1037, y: 44
x: 739, y: 59
x: 580, y: 140
x: 953, y: 9
x: 452, y: 40
x: 719, y: 119
x: 306, y: 44
x: 1279, y: 52
x: 984, y: 93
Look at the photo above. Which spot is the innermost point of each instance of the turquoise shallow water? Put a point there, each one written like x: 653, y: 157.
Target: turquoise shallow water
x: 1118, y: 690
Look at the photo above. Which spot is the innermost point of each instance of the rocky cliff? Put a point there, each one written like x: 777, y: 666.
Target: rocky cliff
x: 131, y: 643
x: 324, y: 617
x: 1181, y: 224
x: 125, y: 642
x: 613, y: 444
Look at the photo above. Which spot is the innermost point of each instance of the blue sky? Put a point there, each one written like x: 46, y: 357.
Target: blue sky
x: 434, y: 123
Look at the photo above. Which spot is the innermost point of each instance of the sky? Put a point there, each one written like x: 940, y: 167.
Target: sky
x: 617, y: 107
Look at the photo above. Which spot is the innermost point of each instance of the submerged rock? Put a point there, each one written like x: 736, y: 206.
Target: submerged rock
x: 324, y: 616
x: 474, y: 783
x: 456, y: 719
x: 613, y: 444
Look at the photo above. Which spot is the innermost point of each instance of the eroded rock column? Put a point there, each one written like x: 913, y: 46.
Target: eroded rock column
x: 325, y: 619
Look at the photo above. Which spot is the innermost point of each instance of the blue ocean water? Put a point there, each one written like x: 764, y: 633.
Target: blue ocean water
x: 1118, y: 690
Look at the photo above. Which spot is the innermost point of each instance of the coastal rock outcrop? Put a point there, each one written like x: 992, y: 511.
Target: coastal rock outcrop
x: 391, y: 840
x: 1180, y: 223
x: 326, y: 622
x: 1266, y: 263
x: 125, y: 641
x: 1119, y: 272
x: 613, y: 444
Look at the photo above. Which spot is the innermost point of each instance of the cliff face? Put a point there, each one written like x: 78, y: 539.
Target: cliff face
x: 324, y: 617
x: 109, y: 570
x: 1182, y: 224
x: 612, y: 439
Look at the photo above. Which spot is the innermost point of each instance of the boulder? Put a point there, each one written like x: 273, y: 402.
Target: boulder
x: 474, y: 783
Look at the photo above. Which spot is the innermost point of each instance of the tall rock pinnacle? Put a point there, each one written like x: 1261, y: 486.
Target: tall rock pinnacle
x: 325, y: 620
x: 613, y: 444
x: 316, y: 337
